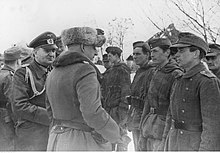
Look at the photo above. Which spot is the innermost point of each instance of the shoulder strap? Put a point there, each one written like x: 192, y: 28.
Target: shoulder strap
x: 30, y: 76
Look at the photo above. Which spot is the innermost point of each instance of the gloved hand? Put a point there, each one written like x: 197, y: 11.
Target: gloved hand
x: 100, y: 31
x: 142, y: 143
x: 122, y: 143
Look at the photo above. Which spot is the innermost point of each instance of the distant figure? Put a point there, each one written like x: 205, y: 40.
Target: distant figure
x: 12, y: 61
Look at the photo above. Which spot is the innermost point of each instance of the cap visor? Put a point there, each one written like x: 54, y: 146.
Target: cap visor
x: 211, y: 54
x: 180, y: 45
x: 49, y: 46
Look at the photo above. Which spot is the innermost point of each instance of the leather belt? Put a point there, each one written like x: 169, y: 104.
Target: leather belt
x: 187, y: 127
x: 71, y: 124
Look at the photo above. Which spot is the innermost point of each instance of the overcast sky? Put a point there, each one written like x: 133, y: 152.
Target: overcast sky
x: 23, y: 20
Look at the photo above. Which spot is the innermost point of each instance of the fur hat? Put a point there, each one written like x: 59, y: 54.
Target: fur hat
x: 12, y: 54
x: 82, y: 35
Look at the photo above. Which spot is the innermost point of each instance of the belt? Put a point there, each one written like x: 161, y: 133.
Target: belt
x: 157, y: 111
x: 187, y: 127
x: 71, y: 124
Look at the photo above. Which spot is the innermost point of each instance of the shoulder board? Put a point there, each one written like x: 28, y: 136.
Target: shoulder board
x: 177, y: 73
x: 25, y: 65
x: 208, y: 74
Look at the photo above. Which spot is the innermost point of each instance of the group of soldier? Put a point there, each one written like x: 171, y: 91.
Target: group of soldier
x: 56, y: 99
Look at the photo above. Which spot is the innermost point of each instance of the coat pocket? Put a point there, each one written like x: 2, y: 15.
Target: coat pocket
x: 153, y: 126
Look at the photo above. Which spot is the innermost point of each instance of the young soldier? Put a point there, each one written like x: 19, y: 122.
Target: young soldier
x: 194, y: 105
x: 158, y: 96
x: 139, y: 87
x: 32, y: 123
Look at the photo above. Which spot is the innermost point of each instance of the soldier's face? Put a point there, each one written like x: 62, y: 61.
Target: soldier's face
x: 45, y: 56
x: 185, y: 58
x: 158, y: 56
x: 139, y: 57
x: 213, y: 62
x: 112, y: 58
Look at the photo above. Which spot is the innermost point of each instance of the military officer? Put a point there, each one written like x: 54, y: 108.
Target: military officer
x: 195, y: 105
x: 12, y: 61
x: 73, y: 91
x: 32, y: 122
x: 213, y: 59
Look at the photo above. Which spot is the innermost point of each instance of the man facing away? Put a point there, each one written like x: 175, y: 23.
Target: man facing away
x: 74, y: 99
x: 194, y: 106
x: 32, y: 122
x: 12, y: 61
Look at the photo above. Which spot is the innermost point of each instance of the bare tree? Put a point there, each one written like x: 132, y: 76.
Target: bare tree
x: 117, y: 30
x: 200, y: 18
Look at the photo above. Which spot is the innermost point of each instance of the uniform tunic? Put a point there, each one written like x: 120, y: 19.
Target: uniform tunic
x: 6, y: 123
x: 195, y: 102
x: 73, y: 92
x: 32, y: 120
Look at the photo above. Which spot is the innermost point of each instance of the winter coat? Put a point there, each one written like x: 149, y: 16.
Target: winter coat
x: 116, y: 86
x: 32, y: 120
x: 195, y: 104
x: 73, y: 93
x: 6, y: 123
x: 139, y: 89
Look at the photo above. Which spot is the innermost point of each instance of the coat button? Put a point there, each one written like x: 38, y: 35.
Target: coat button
x: 191, y: 79
x: 183, y: 111
x: 184, y: 100
x: 181, y: 132
x: 182, y: 121
x: 187, y: 88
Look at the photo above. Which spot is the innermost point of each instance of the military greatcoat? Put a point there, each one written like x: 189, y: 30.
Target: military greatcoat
x: 195, y: 111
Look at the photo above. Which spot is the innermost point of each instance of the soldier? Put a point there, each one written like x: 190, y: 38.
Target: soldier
x: 194, y: 105
x: 139, y: 87
x: 60, y: 46
x: 32, y: 122
x: 73, y: 90
x: 213, y: 59
x: 106, y: 61
x: 158, y: 95
x: 12, y: 61
x: 116, y: 86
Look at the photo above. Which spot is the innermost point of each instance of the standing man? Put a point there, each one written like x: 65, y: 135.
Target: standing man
x: 213, y: 59
x: 195, y: 105
x: 73, y: 90
x: 158, y: 95
x: 32, y: 123
x: 12, y: 61
x: 139, y: 87
x: 106, y: 61
x: 116, y: 88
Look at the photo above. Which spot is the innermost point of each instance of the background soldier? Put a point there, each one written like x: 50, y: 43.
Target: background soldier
x: 60, y: 46
x: 139, y: 87
x: 106, y: 61
x: 213, y: 59
x: 158, y: 96
x: 195, y: 105
x: 12, y: 61
x: 116, y: 87
x: 29, y: 96
x: 73, y: 91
